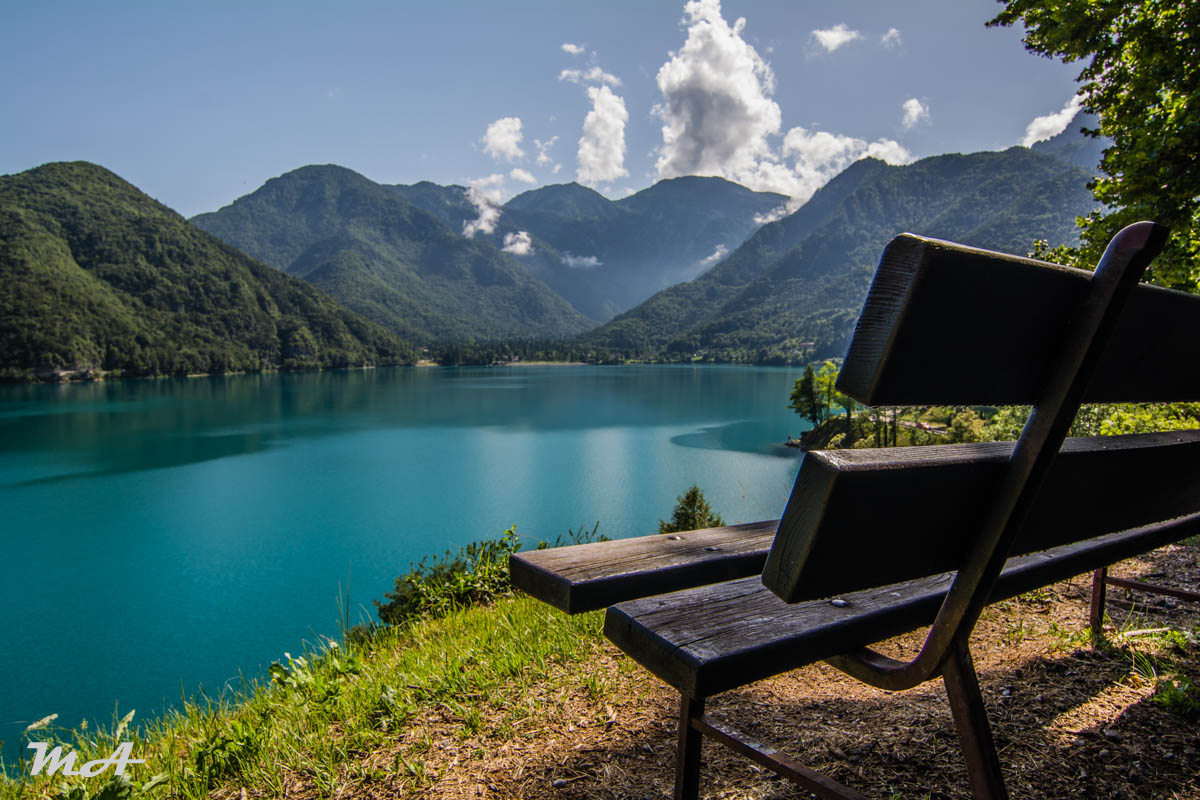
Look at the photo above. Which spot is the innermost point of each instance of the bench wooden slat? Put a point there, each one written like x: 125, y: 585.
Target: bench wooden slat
x: 711, y: 639
x: 983, y: 328
x: 896, y: 514
x: 595, y: 575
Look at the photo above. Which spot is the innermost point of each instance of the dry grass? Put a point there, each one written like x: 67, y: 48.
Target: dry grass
x: 1069, y: 721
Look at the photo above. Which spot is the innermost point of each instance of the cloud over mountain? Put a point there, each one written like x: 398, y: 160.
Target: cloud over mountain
x: 716, y: 111
x: 485, y: 195
x: 601, y: 153
x: 719, y: 118
x: 1050, y: 125
x: 519, y: 243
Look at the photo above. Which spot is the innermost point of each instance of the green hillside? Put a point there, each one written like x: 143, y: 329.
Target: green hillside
x: 793, y: 290
x: 382, y: 256
x: 99, y: 276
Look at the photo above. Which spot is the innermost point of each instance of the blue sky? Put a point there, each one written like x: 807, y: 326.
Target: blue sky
x: 200, y: 103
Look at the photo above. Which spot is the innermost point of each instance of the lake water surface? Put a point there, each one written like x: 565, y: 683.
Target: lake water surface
x: 157, y: 537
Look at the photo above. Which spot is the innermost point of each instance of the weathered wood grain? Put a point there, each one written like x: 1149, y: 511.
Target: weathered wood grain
x: 945, y: 324
x: 711, y: 639
x: 589, y: 576
x: 862, y: 518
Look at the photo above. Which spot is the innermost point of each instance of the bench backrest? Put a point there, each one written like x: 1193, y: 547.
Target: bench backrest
x: 945, y: 324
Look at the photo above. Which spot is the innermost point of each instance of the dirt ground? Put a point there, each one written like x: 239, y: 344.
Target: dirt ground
x: 1069, y: 721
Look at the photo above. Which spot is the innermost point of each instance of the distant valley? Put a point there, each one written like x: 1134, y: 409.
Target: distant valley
x: 606, y: 256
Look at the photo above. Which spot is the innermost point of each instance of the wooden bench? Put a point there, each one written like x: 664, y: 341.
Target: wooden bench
x: 875, y: 543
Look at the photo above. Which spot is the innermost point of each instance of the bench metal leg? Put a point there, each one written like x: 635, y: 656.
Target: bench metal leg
x: 1099, y: 589
x: 970, y: 717
x: 687, y: 757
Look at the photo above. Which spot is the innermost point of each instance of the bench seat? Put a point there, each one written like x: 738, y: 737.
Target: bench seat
x: 711, y: 639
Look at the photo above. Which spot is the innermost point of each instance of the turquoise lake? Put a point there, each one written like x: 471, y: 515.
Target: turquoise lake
x: 160, y: 537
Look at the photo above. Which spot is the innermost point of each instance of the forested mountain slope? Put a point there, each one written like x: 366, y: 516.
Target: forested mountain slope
x: 97, y: 275
x: 370, y: 248
x: 793, y: 290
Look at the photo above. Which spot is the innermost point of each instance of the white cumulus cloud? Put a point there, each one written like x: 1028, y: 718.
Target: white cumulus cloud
x: 1052, y: 124
x: 503, y: 139
x: 818, y: 156
x: 601, y: 155
x: 519, y: 243
x: 892, y: 38
x: 833, y: 38
x: 914, y: 111
x: 716, y: 255
x: 522, y: 175
x: 484, y: 194
x: 888, y: 151
x: 719, y: 119
x: 593, y: 75
x: 716, y: 109
x: 581, y: 262
x: 777, y: 213
x: 543, y: 148
x: 572, y: 49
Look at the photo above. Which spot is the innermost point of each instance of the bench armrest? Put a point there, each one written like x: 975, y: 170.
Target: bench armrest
x: 586, y: 577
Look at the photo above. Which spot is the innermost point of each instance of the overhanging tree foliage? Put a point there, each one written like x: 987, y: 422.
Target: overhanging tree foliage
x: 1142, y: 78
x: 815, y: 394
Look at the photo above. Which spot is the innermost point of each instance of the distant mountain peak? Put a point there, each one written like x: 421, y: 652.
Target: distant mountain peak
x: 1074, y: 146
x: 793, y: 290
x: 400, y: 262
x: 565, y: 200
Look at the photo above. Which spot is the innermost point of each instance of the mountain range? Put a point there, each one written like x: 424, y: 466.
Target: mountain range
x: 323, y: 267
x: 372, y: 250
x: 389, y: 252
x: 607, y: 256
x: 98, y: 276
x: 793, y: 290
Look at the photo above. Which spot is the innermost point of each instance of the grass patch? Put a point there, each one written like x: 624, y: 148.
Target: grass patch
x: 324, y: 710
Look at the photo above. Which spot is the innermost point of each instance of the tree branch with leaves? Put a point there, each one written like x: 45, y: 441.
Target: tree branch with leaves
x: 1141, y: 76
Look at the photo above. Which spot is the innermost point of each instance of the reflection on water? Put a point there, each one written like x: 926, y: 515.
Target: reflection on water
x: 121, y: 426
x: 172, y: 533
x: 746, y: 436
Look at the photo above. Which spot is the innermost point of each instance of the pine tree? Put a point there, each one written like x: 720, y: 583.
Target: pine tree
x: 692, y: 512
